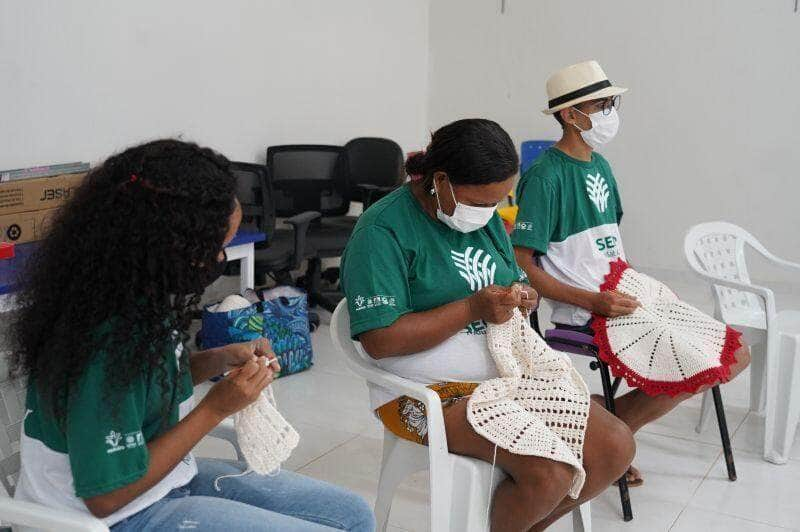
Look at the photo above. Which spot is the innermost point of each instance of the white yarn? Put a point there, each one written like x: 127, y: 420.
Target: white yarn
x: 265, y: 437
x: 538, y: 406
x: 232, y: 302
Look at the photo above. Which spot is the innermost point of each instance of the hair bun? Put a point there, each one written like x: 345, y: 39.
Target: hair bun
x: 415, y: 164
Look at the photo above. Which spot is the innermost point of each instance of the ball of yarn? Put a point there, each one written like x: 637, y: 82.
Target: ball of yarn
x: 232, y: 302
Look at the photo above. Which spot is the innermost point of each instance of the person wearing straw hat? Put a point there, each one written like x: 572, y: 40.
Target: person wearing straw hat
x: 569, y: 215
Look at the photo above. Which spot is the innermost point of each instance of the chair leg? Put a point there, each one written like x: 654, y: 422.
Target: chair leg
x: 395, y: 467
x: 787, y: 410
x: 723, y: 432
x: 441, y: 482
x: 705, y: 413
x: 758, y: 366
x: 772, y: 384
x: 605, y: 377
x: 615, y: 386
x: 387, y: 485
x: 582, y: 518
x: 313, y: 281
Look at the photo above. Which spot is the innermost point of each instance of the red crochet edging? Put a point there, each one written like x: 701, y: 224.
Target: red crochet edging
x: 614, y: 275
x: 691, y: 385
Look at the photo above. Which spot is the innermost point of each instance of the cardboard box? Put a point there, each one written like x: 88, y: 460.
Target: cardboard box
x: 25, y: 226
x: 37, y: 194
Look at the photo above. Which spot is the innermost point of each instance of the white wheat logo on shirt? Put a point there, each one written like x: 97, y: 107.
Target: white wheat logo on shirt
x: 598, y: 192
x: 475, y: 266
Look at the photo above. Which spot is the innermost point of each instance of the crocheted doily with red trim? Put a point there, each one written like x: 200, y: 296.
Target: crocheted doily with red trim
x: 665, y: 346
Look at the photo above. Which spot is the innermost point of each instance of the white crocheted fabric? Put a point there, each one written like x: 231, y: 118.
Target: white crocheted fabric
x: 265, y: 437
x: 538, y: 406
x: 665, y: 345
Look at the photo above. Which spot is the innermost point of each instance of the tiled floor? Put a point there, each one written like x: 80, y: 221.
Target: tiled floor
x: 686, y: 487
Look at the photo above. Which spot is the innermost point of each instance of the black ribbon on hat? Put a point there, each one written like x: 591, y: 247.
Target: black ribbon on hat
x: 583, y: 91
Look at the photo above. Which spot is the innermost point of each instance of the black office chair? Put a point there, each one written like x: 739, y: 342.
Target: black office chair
x: 308, y: 177
x: 368, y: 169
x: 284, y: 249
x: 372, y: 167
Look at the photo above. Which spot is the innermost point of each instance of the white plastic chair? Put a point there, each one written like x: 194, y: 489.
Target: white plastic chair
x: 459, y: 486
x: 716, y: 252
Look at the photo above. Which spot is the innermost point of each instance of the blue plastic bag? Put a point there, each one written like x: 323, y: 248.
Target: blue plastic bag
x: 283, y: 320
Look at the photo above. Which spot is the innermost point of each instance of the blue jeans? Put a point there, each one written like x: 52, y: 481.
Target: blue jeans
x: 287, y: 502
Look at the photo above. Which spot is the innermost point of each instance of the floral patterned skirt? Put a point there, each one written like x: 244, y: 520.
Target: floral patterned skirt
x: 405, y: 417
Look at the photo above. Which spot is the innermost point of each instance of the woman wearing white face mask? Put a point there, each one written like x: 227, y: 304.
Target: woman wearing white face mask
x: 425, y: 269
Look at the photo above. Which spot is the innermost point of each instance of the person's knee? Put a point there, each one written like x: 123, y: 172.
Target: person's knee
x: 742, y: 356
x: 545, y: 480
x: 620, y: 447
x: 360, y: 517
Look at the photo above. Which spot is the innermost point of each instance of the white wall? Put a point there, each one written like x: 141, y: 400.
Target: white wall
x: 711, y: 124
x: 80, y: 80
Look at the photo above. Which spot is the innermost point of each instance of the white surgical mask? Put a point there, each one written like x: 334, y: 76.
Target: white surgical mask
x: 604, y: 128
x: 465, y: 218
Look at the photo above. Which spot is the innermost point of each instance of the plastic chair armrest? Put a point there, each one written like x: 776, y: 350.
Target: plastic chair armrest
x: 401, y: 386
x: 38, y: 516
x: 300, y: 223
x: 226, y: 432
x: 783, y: 262
x: 765, y: 293
x: 303, y: 219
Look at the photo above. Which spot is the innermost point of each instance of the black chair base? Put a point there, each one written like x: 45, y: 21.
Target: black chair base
x: 312, y: 282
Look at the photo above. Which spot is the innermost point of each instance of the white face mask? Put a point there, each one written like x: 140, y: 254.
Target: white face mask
x: 465, y: 218
x: 604, y: 128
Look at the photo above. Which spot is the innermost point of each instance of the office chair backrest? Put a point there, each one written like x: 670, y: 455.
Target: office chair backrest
x: 372, y: 161
x: 307, y: 162
x: 252, y: 189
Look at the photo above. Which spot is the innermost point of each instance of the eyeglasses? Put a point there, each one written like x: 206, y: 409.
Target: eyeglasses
x: 611, y: 103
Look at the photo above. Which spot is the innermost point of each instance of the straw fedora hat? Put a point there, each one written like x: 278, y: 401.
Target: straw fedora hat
x: 578, y: 83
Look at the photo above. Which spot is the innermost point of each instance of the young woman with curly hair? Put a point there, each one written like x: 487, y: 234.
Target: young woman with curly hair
x: 100, y: 337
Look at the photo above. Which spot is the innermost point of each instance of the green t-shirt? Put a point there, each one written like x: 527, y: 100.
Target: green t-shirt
x: 102, y: 447
x: 569, y: 212
x: 399, y: 260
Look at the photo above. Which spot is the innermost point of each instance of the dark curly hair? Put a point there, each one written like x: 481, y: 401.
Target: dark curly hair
x: 133, y: 248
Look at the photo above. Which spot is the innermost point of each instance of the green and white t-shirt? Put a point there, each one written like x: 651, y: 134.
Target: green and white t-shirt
x: 569, y: 212
x: 399, y: 260
x: 103, y: 447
